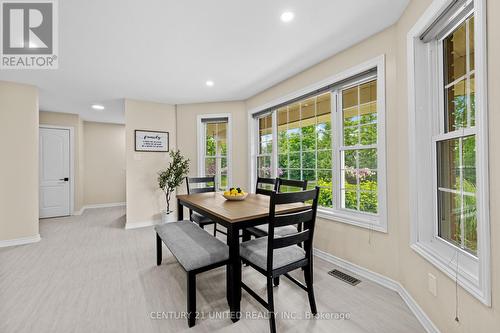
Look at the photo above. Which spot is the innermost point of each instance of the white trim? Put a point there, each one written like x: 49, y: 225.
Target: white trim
x: 72, y: 156
x: 141, y: 224
x: 20, y: 241
x: 106, y: 205
x: 385, y: 282
x: 201, y: 144
x: 473, y: 274
x: 343, y: 216
x: 367, y: 65
x: 376, y: 222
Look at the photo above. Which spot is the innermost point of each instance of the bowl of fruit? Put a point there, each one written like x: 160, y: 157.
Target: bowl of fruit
x: 235, y: 194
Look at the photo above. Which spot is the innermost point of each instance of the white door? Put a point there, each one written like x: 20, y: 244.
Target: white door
x: 54, y: 172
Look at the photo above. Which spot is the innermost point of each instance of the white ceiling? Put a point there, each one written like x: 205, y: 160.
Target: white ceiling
x: 165, y: 50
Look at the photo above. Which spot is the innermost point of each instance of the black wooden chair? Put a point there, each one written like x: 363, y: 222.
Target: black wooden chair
x: 209, y: 186
x: 262, y: 183
x: 261, y: 230
x: 301, y: 185
x: 278, y: 256
x: 293, y: 185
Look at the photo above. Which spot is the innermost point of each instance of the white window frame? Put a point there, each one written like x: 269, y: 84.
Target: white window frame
x: 201, y: 146
x: 377, y: 222
x: 425, y: 93
x: 274, y: 162
x: 369, y: 220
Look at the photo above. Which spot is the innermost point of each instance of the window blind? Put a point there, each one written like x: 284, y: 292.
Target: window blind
x: 215, y: 120
x: 315, y: 92
x: 453, y: 14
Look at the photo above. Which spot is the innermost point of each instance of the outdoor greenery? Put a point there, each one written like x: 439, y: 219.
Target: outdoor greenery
x: 305, y: 152
x: 458, y: 173
x: 173, y: 176
x: 216, y: 153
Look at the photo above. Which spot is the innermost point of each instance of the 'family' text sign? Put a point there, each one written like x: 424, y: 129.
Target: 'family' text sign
x: 151, y: 141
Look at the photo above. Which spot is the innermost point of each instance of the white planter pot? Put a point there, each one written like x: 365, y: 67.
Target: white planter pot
x: 167, y: 218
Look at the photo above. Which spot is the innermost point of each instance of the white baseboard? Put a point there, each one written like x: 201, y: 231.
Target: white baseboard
x: 383, y: 281
x: 20, y: 241
x: 142, y: 224
x: 106, y: 205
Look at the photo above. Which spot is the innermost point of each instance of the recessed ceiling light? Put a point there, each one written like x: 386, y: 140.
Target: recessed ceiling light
x: 287, y: 16
x: 97, y: 107
x: 210, y: 83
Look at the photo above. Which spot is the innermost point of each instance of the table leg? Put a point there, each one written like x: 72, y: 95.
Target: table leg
x: 233, y: 273
x: 180, y: 211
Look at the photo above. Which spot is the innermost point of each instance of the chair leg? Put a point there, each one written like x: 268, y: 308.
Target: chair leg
x: 158, y: 250
x: 191, y: 298
x: 215, y: 229
x: 276, y: 281
x: 270, y: 302
x: 308, y: 271
x: 246, y: 236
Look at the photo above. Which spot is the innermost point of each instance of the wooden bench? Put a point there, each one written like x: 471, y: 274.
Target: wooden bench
x: 196, y: 251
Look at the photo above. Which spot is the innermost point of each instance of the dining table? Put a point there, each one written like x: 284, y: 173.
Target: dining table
x: 235, y: 216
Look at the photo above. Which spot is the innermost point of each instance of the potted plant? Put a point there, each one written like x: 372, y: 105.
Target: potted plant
x: 171, y: 178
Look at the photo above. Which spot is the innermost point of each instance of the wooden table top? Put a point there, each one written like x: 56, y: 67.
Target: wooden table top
x: 254, y: 206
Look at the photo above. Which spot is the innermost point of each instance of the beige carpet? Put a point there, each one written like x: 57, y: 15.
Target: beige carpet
x: 88, y: 274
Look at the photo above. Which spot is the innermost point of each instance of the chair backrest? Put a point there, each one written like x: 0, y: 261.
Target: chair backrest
x: 306, y: 216
x: 300, y: 184
x: 200, y: 180
x: 268, y: 181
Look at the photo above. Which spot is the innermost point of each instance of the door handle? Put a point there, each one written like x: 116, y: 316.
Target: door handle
x: 65, y: 179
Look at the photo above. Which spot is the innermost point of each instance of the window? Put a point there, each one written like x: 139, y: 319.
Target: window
x: 456, y: 141
x: 265, y: 146
x: 359, y: 148
x: 214, y: 149
x: 334, y: 139
x: 305, y: 145
x: 448, y: 143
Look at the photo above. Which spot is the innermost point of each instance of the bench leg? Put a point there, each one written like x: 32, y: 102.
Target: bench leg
x: 276, y: 281
x: 191, y: 298
x: 158, y: 250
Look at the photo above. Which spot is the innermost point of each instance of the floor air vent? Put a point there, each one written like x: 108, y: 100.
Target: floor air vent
x: 344, y: 277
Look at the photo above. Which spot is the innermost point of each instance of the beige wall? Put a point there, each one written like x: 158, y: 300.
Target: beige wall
x: 389, y: 254
x: 104, y: 156
x: 71, y: 120
x: 144, y: 200
x: 413, y: 269
x: 373, y: 250
x: 19, y: 161
x: 187, y: 136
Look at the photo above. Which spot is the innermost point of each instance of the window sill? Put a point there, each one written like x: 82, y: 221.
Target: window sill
x: 364, y: 221
x: 467, y: 278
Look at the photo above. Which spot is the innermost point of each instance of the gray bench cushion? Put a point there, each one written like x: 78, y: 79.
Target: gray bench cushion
x: 192, y: 246
x: 255, y: 251
x: 279, y: 231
